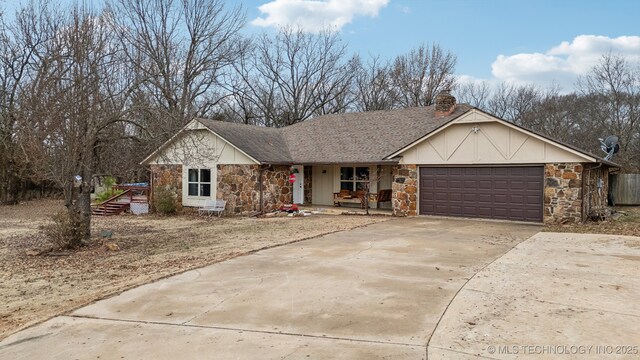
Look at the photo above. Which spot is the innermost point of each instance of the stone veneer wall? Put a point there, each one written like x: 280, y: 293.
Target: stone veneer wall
x: 307, y: 184
x: 276, y: 188
x: 167, y: 177
x: 563, y: 193
x: 405, y: 190
x: 238, y: 185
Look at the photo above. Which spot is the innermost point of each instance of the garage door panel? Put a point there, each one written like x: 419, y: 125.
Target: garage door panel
x: 441, y: 209
x: 532, y: 171
x: 428, y: 196
x: 513, y: 193
x: 516, y: 213
x: 501, y: 185
x: 485, y: 212
x: 479, y: 171
x: 441, y: 171
x: 470, y: 197
x: 442, y: 196
x: 500, y: 212
x: 501, y: 199
x: 534, y: 185
x: 517, y: 185
x: 500, y: 171
x: 429, y: 182
x: 534, y: 199
x: 485, y: 184
x: 516, y: 199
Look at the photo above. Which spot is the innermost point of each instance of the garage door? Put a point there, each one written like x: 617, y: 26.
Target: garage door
x: 509, y: 193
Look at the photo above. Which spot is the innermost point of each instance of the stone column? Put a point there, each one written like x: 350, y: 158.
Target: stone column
x: 563, y: 193
x: 405, y: 190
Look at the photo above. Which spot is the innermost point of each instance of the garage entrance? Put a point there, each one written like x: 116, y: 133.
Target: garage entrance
x: 508, y: 193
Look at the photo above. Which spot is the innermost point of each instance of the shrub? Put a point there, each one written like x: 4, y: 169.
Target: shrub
x: 66, y: 231
x: 107, y: 194
x: 109, y: 181
x: 165, y: 201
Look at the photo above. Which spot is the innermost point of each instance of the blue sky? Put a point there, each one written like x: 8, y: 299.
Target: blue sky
x: 521, y: 41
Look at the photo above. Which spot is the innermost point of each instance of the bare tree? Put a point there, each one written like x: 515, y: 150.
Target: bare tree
x: 19, y: 42
x: 474, y: 94
x: 295, y: 75
x: 419, y: 75
x: 559, y: 117
x: 180, y: 50
x: 613, y: 88
x: 68, y: 108
x: 373, y: 86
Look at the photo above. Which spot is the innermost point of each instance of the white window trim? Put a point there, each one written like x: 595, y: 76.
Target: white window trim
x: 200, y: 183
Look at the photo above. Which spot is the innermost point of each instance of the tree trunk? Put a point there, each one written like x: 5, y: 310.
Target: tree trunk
x: 83, y: 207
x: 9, y: 191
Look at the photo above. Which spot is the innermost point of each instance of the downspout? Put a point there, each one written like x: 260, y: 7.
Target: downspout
x: 260, y: 189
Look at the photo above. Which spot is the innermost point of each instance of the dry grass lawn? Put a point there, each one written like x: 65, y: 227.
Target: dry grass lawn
x: 37, y: 284
x: 627, y: 224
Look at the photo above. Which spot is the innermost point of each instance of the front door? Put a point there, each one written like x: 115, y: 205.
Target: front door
x: 298, y: 185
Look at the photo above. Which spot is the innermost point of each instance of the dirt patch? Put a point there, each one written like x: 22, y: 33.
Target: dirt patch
x: 627, y: 224
x: 37, y: 285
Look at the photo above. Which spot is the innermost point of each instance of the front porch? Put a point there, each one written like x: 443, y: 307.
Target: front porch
x: 341, y: 186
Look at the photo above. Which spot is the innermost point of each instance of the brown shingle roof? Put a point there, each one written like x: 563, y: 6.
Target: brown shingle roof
x: 355, y: 138
x: 267, y: 145
x: 365, y: 137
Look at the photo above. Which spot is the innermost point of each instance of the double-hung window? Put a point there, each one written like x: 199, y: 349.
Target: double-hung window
x: 199, y: 182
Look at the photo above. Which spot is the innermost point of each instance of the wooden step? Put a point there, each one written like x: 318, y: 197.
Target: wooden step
x: 112, y: 206
x: 109, y: 209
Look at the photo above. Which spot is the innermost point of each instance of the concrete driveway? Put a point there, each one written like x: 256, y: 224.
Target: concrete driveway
x: 382, y: 291
x: 373, y: 292
x: 556, y: 295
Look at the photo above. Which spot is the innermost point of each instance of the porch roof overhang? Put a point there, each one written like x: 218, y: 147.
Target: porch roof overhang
x: 394, y: 161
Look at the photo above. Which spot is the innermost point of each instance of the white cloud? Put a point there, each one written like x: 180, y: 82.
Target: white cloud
x: 562, y: 64
x: 315, y: 15
x: 465, y: 80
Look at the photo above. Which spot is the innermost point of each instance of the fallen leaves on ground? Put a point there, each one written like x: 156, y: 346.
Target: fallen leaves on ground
x: 627, y: 224
x: 38, y: 283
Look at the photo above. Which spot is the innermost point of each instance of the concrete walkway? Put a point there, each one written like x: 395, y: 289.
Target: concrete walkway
x: 370, y: 293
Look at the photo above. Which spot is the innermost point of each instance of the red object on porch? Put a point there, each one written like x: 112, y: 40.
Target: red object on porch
x: 292, y: 178
x: 289, y: 207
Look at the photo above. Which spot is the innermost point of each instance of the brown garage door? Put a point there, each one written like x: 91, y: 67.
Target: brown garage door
x: 510, y: 193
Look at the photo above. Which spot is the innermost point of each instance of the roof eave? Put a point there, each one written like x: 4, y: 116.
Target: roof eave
x: 145, y: 161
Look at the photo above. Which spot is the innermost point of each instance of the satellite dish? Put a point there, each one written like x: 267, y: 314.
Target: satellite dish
x: 610, y: 146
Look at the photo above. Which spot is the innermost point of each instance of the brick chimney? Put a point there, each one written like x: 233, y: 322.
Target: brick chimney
x: 445, y: 103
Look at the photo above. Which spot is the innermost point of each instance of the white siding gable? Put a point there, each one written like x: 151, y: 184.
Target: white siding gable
x: 199, y: 147
x: 477, y: 138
